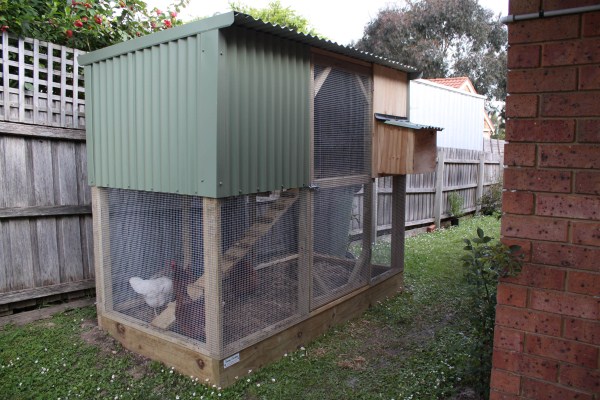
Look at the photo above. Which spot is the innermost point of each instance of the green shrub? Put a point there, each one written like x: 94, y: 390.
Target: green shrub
x: 491, y: 201
x: 484, y: 263
x: 85, y: 24
x: 455, y: 201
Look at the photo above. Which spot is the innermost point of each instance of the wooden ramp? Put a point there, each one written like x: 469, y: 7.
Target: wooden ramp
x: 236, y: 252
x: 241, y: 248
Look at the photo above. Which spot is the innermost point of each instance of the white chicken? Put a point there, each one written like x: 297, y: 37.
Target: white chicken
x: 156, y: 292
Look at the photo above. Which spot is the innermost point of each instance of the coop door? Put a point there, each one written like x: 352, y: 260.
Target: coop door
x: 341, y: 172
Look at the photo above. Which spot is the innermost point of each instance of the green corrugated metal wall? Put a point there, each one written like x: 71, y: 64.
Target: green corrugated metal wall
x: 219, y: 113
x: 264, y: 127
x: 153, y: 124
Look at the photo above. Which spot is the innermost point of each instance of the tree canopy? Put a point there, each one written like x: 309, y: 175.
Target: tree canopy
x: 443, y: 38
x: 85, y: 24
x: 276, y: 13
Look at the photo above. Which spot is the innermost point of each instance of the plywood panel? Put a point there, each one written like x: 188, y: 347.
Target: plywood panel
x: 390, y: 91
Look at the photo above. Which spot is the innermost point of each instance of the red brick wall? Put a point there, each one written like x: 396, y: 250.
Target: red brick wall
x: 547, y: 338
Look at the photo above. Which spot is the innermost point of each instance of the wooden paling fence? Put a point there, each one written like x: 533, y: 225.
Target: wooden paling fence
x: 46, y: 246
x: 468, y: 172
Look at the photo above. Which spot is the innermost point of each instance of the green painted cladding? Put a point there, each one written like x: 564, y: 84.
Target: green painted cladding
x: 153, y: 124
x: 264, y: 120
x: 219, y: 113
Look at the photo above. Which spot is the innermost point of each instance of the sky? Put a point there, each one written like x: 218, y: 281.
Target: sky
x: 335, y: 19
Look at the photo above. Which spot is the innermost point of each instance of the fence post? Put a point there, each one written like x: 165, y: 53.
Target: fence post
x: 480, y: 181
x: 439, y: 189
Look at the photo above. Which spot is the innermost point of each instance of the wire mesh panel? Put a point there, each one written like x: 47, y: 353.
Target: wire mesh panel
x: 260, y: 266
x: 342, y: 132
x: 223, y: 274
x: 338, y: 267
x: 156, y: 251
x: 342, y: 118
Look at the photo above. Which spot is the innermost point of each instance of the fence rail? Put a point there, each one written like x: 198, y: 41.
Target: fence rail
x: 45, y: 214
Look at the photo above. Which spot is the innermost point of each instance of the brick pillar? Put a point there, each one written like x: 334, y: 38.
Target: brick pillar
x: 547, y: 337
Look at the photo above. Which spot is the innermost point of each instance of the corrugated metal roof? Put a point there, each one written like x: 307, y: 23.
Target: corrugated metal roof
x: 404, y: 123
x: 314, y: 41
x: 411, y: 125
x: 242, y: 20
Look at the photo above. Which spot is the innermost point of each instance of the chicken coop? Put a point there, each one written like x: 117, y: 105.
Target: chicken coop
x: 227, y: 159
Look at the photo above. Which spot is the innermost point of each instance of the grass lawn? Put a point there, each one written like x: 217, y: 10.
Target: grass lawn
x: 408, y: 347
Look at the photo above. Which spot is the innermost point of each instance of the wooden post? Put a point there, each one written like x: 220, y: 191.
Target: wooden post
x: 374, y: 208
x: 480, y: 180
x: 211, y: 226
x: 398, y: 217
x: 439, y: 190
x: 305, y: 251
x: 102, y: 264
x: 185, y: 234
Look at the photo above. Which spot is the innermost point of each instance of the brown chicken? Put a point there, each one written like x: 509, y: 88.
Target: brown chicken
x: 241, y: 281
x: 189, y: 314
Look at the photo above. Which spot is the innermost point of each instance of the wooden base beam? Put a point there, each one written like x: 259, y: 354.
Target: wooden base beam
x: 192, y: 361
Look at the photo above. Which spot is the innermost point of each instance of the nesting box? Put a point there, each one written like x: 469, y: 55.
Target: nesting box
x: 228, y: 158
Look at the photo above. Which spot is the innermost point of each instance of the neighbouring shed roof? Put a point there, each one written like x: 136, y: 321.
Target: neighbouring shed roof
x: 456, y: 82
x: 242, y: 20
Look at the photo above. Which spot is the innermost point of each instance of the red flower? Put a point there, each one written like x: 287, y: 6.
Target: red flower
x: 87, y: 5
x: 74, y: 3
x: 122, y: 4
x: 78, y: 24
x: 157, y: 11
x: 153, y: 25
x: 173, y: 14
x: 167, y: 23
x: 84, y: 19
x: 98, y: 19
x: 138, y: 34
x: 69, y: 33
x: 4, y: 28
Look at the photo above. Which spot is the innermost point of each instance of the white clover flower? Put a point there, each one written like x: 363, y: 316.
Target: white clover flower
x: 258, y: 385
x: 273, y: 380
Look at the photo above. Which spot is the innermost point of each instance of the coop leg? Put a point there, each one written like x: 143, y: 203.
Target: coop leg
x: 398, y: 221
